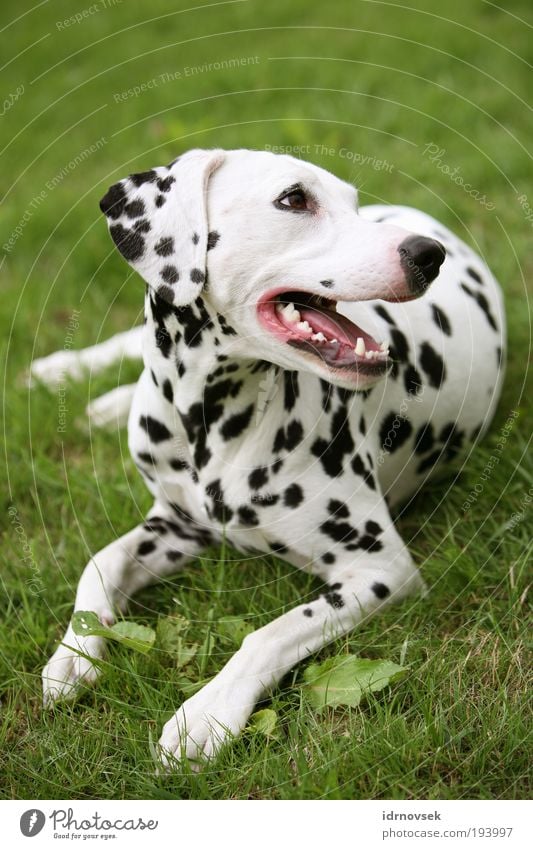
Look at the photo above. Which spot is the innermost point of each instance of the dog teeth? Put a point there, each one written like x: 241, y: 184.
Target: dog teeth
x: 289, y: 312
x: 304, y: 325
x: 319, y: 337
x: 360, y: 347
x: 384, y: 347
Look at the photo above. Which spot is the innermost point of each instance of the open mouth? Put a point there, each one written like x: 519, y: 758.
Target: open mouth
x: 311, y: 323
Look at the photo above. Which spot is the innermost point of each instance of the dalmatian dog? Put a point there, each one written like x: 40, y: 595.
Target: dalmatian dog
x: 307, y: 366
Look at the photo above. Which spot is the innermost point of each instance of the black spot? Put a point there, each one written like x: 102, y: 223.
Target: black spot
x: 259, y: 365
x: 258, y: 477
x: 499, y: 356
x: 179, y: 465
x: 338, y: 508
x: 220, y: 511
x: 382, y: 312
x: 370, y: 543
x: 129, y: 243
x: 395, y: 430
x: 142, y: 226
x: 432, y: 365
x: 143, y: 177
x: 412, y: 380
x: 345, y: 395
x: 154, y: 378
x: 167, y: 294
x: 146, y: 547
x: 228, y: 330
x: 331, y: 451
x: 278, y: 547
x: 359, y: 468
x: 362, y: 425
x: 293, y: 495
x: 248, y: 516
x: 399, y: 346
x: 174, y: 556
x: 291, y: 389
x: 328, y: 557
x: 165, y: 184
x: 113, y: 202
x: 327, y: 393
x: 474, y: 275
x: 308, y: 612
x: 236, y: 423
x: 428, y: 462
x: 165, y: 246
x: 339, y: 531
x: 288, y: 439
x: 424, y: 439
x: 326, y: 283
x: 160, y: 201
x: 276, y: 466
x: 161, y: 309
x: 441, y: 320
x: 156, y: 430
x: 135, y: 209
x: 374, y: 528
x: 452, y: 439
x: 195, y: 238
x: 197, y: 276
x: 380, y: 590
x: 145, y: 457
x: 334, y: 599
x: 212, y: 239
x: 168, y: 392
x: 194, y: 324
x: 155, y: 525
x: 482, y: 303
x: 170, y: 274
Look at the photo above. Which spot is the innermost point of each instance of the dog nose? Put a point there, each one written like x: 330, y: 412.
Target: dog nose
x: 421, y: 259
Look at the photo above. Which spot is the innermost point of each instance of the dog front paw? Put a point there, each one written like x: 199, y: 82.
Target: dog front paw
x: 71, y: 666
x: 54, y: 369
x: 202, y: 725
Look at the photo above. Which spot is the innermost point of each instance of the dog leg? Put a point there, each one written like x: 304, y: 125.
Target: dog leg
x: 113, y: 408
x: 220, y: 710
x: 148, y: 553
x: 61, y: 365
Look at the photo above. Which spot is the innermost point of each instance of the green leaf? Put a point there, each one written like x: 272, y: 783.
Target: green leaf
x: 264, y: 722
x: 85, y: 623
x: 234, y: 628
x: 345, y: 680
x: 137, y: 637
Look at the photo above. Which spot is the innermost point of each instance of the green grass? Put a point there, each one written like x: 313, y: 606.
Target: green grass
x: 371, y: 77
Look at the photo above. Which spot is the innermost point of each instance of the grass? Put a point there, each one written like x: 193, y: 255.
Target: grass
x: 378, y: 79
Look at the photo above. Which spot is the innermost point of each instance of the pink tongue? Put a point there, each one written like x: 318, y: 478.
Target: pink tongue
x: 335, y: 327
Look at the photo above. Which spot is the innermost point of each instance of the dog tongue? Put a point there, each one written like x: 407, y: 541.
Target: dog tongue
x: 335, y: 326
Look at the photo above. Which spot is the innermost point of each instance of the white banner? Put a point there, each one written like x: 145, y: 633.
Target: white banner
x: 266, y: 824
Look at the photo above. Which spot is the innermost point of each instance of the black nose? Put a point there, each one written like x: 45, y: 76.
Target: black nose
x: 421, y: 259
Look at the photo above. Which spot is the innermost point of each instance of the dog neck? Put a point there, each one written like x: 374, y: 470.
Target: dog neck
x: 189, y: 352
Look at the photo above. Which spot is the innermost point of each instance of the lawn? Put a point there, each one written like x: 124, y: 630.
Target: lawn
x: 422, y: 106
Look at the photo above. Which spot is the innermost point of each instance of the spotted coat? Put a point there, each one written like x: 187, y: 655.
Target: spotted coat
x: 243, y: 433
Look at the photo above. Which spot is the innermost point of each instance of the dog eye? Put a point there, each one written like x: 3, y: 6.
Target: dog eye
x: 295, y: 199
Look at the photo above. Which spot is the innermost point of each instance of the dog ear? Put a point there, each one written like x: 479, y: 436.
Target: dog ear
x: 158, y: 221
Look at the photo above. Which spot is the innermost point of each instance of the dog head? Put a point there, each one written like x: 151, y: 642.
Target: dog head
x: 272, y: 243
